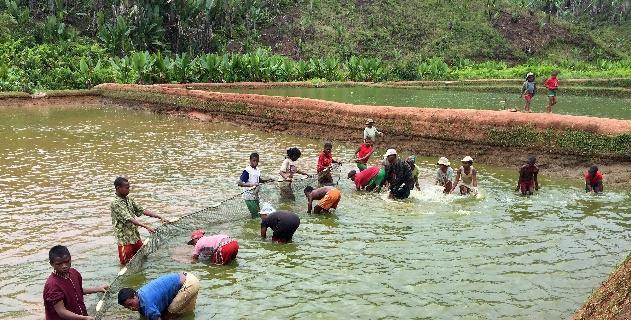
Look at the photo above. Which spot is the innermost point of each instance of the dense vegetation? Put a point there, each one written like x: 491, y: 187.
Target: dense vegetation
x: 58, y: 44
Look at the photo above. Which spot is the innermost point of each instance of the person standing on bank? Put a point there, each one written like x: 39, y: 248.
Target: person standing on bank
x: 124, y: 212
x: 283, y: 223
x: 398, y: 175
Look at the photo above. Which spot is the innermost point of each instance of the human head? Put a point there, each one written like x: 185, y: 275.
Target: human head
x: 443, y: 162
x: 266, y: 209
x: 369, y: 142
x: 308, y: 190
x: 592, y: 170
x: 60, y: 259
x: 121, y: 185
x: 391, y: 155
x: 351, y: 175
x: 467, y: 161
x: 369, y: 123
x: 128, y: 298
x: 531, y: 160
x: 327, y: 147
x: 555, y: 73
x: 293, y: 153
x: 254, y: 159
x: 530, y: 76
x: 196, y: 235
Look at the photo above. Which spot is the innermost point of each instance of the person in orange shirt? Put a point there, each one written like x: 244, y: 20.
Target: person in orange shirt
x: 593, y: 180
x: 552, y: 84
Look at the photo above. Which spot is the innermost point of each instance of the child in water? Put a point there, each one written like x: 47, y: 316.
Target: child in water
x: 324, y: 164
x: 249, y: 181
x: 363, y: 153
x: 552, y: 84
x: 528, y: 89
x: 527, y: 182
x: 468, y: 174
x: 593, y: 180
x: 288, y: 167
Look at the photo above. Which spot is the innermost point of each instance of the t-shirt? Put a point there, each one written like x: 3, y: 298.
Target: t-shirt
x: 364, y: 150
x: 552, y: 83
x: 250, y: 175
x: 370, y: 133
x: 444, y: 177
x: 69, y: 290
x: 529, y: 87
x: 324, y: 161
x: 123, y: 210
x: 288, y: 166
x: 399, y: 173
x: 282, y: 223
x: 362, y: 178
x: 527, y: 173
x: 595, y: 179
x: 207, y: 245
x: 156, y: 296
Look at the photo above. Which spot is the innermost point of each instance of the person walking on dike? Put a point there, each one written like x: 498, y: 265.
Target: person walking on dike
x: 249, y: 181
x: 552, y: 84
x: 370, y: 131
x: 329, y: 199
x: 363, y: 153
x: 370, y: 179
x: 416, y: 171
x: 218, y: 249
x: 593, y: 180
x: 124, y: 212
x: 527, y: 182
x: 325, y: 160
x: 444, y: 175
x: 529, y: 89
x: 162, y: 298
x: 398, y: 175
x: 283, y: 223
x: 469, y: 177
x: 63, y: 291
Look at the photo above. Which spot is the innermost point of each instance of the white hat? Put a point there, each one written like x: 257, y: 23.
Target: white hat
x: 266, y: 208
x: 443, y: 161
x: 390, y: 152
x: 467, y: 159
x: 530, y: 74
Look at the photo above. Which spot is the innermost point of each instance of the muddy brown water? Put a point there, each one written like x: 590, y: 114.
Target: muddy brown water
x: 498, y: 256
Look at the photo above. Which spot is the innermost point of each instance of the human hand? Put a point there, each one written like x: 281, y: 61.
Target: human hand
x: 103, y: 288
x: 150, y: 229
x: 88, y: 318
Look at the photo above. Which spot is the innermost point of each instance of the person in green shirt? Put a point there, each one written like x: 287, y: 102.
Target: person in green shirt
x: 124, y: 213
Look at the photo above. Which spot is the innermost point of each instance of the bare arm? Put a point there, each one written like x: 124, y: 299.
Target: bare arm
x: 247, y: 184
x: 264, y: 232
x: 140, y: 224
x: 309, y: 203
x: 155, y: 215
x: 456, y: 182
x: 367, y: 156
x: 64, y: 313
x: 102, y: 288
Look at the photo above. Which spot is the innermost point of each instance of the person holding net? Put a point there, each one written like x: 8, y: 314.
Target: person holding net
x: 249, y: 180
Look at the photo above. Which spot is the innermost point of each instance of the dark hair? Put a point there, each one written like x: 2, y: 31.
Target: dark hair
x: 308, y: 189
x: 593, y: 169
x: 328, y: 144
x: 120, y: 181
x: 124, y: 294
x: 254, y: 155
x: 532, y: 159
x: 351, y: 174
x: 57, y: 252
x: 293, y: 153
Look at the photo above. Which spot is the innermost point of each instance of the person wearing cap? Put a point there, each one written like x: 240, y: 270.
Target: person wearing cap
x: 528, y: 182
x: 398, y: 175
x: 371, y: 132
x: 363, y: 153
x: 593, y: 180
x: 468, y: 174
x: 219, y: 248
x: 329, y: 198
x: 528, y: 89
x: 283, y: 223
x: 444, y: 174
x: 370, y: 179
x: 416, y: 171
x: 171, y: 294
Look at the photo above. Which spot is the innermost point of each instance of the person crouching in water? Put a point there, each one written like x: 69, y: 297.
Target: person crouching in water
x: 171, y: 294
x: 468, y: 174
x: 329, y: 198
x: 593, y: 180
x: 528, y: 182
x: 283, y: 223
x: 398, y: 175
x: 528, y: 89
x: 219, y: 248
x: 444, y: 175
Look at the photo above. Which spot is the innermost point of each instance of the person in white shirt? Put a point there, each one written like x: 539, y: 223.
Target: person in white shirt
x: 287, y: 171
x: 371, y: 131
x: 249, y: 181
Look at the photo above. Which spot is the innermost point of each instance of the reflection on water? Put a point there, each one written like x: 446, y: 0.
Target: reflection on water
x: 498, y: 255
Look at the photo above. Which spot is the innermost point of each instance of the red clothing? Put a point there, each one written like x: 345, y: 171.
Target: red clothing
x: 552, y: 83
x: 126, y: 252
x: 595, y: 179
x: 362, y: 178
x: 69, y: 290
x: 364, y: 150
x: 324, y: 161
x: 226, y: 252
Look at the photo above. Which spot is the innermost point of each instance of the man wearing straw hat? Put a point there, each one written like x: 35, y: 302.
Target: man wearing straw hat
x: 371, y: 132
x: 219, y: 248
x: 283, y: 223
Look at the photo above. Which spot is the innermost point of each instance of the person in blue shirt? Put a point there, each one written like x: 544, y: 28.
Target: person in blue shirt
x: 174, y: 293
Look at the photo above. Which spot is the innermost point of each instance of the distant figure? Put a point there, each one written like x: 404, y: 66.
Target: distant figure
x: 469, y: 177
x: 325, y: 160
x: 219, y: 248
x: 329, y: 198
x: 124, y: 212
x: 283, y: 223
x: 171, y: 294
x: 552, y: 84
x: 63, y: 291
x: 528, y: 89
x: 249, y: 181
x: 363, y: 153
x: 527, y: 182
x: 416, y: 171
x: 370, y: 179
x: 371, y: 132
x: 444, y: 175
x: 593, y: 180
x: 398, y: 175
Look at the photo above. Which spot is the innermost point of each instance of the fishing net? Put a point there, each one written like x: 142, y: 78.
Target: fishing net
x: 229, y: 209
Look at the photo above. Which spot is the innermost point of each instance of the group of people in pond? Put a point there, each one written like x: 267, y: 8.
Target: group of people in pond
x: 176, y: 293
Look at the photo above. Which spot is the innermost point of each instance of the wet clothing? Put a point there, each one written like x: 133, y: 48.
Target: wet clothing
x: 399, y: 174
x: 595, y: 183
x: 361, y: 166
x: 377, y: 181
x: 68, y: 289
x: 253, y: 207
x: 206, y: 245
x: 127, y: 251
x: 527, y: 186
x: 324, y: 161
x: 186, y: 297
x: 283, y: 223
x: 330, y: 199
x: 122, y: 211
x: 226, y: 252
x: 527, y: 178
x: 156, y: 295
x: 288, y: 166
x: 219, y: 249
x: 370, y: 133
x: 250, y: 175
x: 466, y: 179
x: 362, y: 178
x: 443, y: 177
x: 364, y: 150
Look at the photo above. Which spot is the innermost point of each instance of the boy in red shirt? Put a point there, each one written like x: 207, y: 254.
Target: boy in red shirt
x: 593, y: 180
x: 363, y: 153
x: 552, y: 84
x: 324, y: 164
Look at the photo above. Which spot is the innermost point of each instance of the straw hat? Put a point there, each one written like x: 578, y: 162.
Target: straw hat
x: 390, y: 152
x: 443, y: 161
x: 467, y: 159
x: 266, y: 209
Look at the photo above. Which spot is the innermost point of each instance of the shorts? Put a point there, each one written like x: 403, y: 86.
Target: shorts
x: 361, y: 166
x: 127, y: 251
x: 186, y: 298
x: 253, y: 207
x: 527, y: 186
x: 528, y: 97
x: 330, y: 199
x: 552, y: 93
x: 226, y: 252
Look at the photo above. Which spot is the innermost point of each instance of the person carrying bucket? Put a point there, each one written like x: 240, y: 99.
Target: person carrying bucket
x: 219, y: 248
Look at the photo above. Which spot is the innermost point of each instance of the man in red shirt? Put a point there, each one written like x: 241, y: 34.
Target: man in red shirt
x: 364, y: 178
x: 593, y: 180
x: 552, y: 84
x: 363, y: 153
x: 324, y: 164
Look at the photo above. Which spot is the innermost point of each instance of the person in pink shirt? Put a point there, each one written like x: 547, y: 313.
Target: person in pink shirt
x: 219, y: 248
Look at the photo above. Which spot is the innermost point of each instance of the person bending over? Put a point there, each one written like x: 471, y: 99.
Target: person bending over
x: 219, y: 248
x: 329, y: 198
x: 283, y: 223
